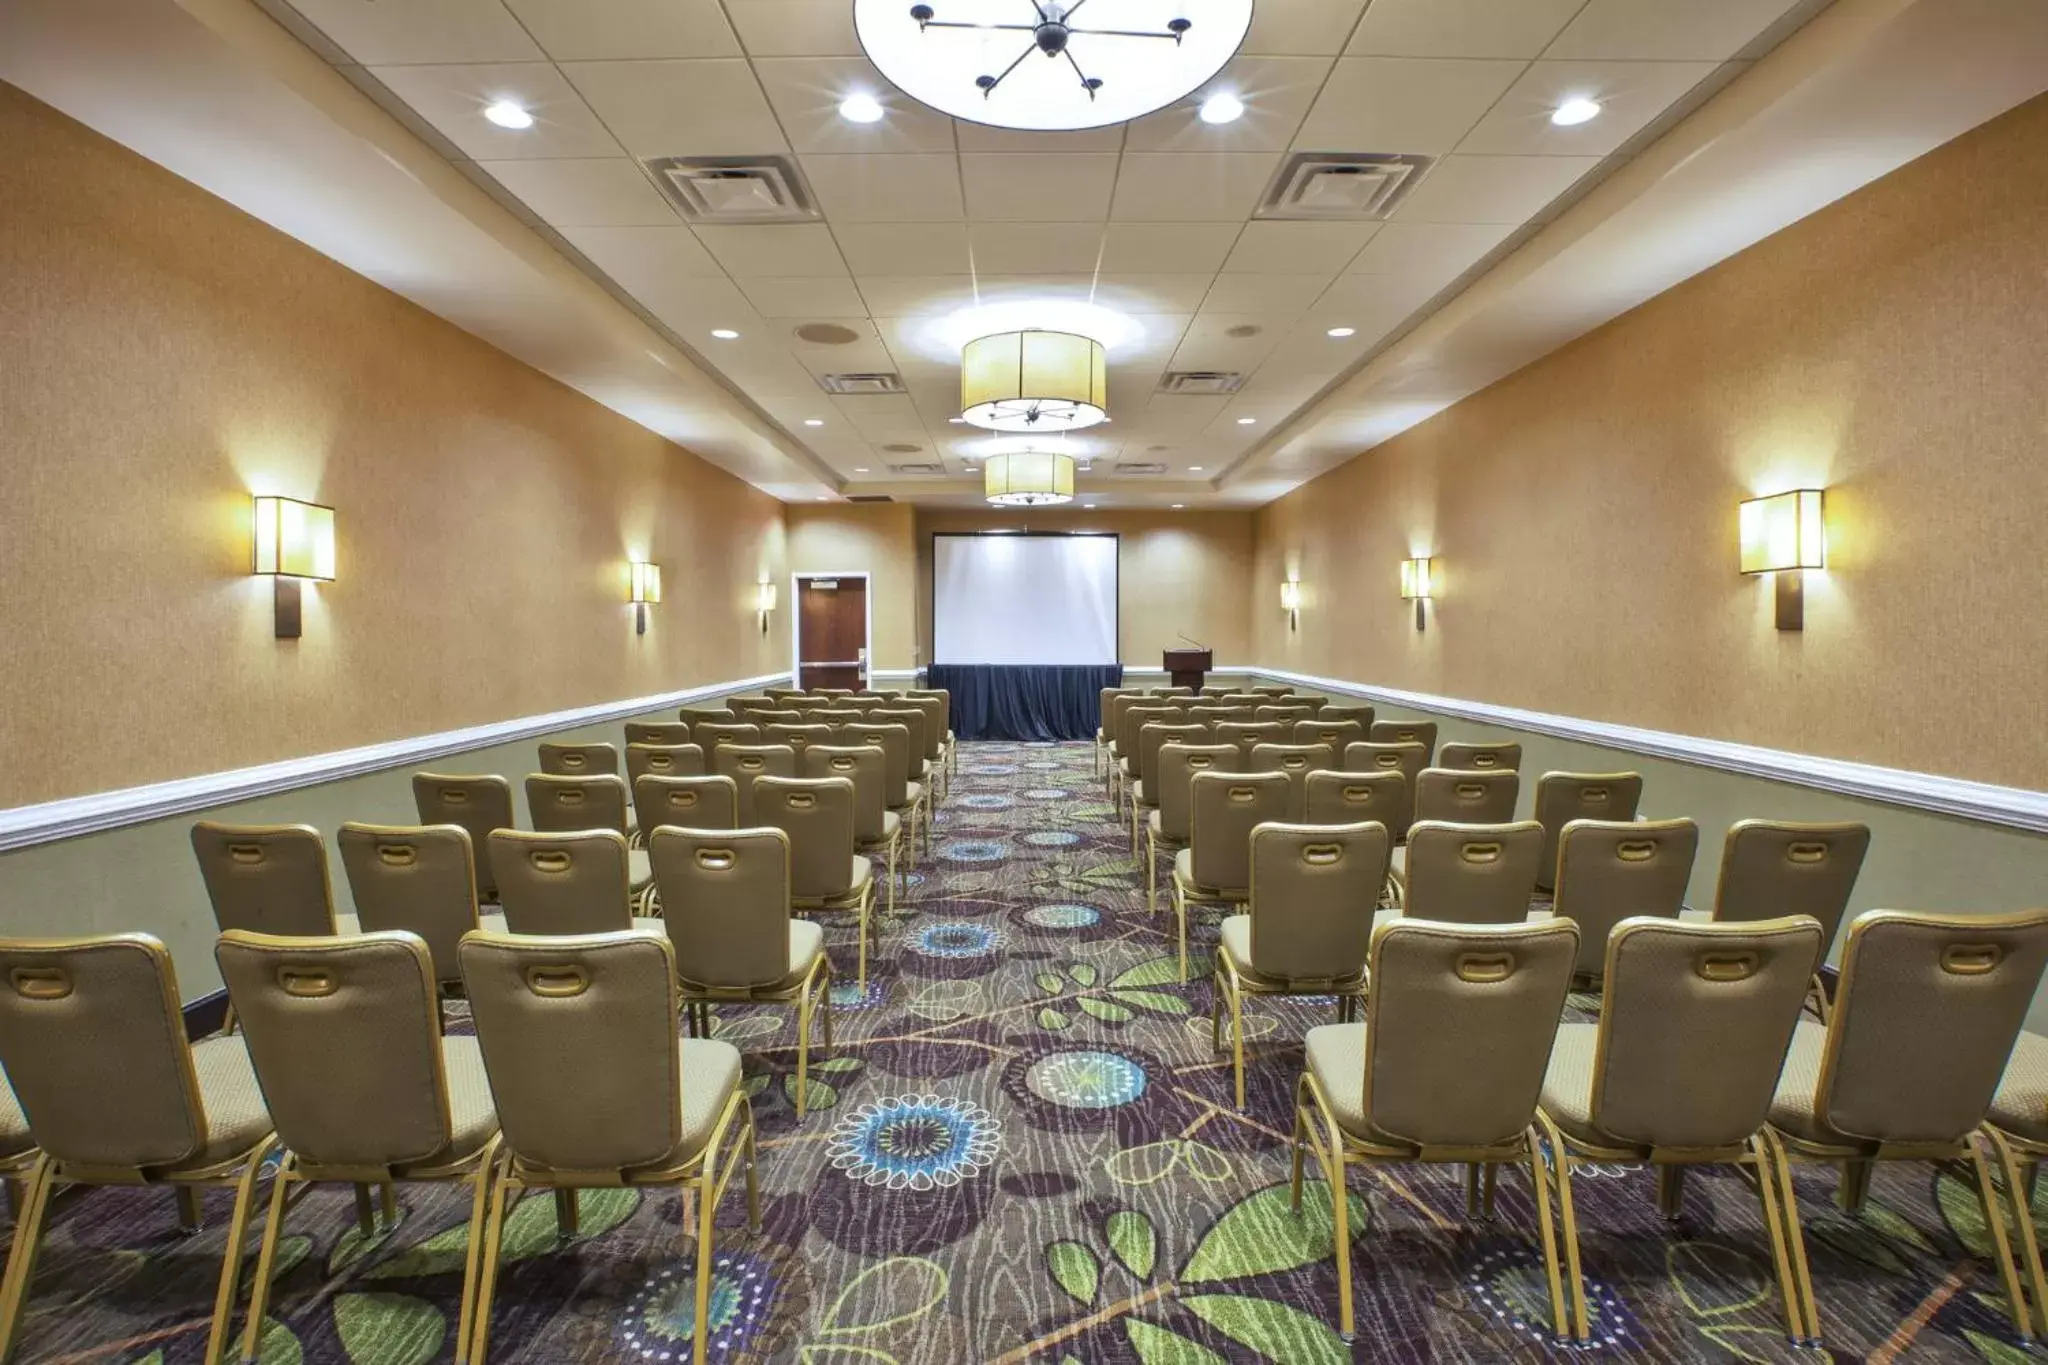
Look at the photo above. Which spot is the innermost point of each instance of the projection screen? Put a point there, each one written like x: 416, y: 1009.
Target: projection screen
x: 1024, y: 599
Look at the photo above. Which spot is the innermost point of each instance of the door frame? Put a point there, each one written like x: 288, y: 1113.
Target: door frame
x: 796, y: 613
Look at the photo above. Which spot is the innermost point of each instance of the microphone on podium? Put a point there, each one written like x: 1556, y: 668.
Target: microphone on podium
x: 1191, y: 640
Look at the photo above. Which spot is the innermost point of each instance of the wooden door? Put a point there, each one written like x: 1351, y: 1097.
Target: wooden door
x: 832, y: 632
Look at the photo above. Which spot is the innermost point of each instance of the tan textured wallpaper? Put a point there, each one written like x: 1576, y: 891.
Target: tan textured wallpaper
x: 163, y: 357
x: 878, y: 539
x: 1176, y: 571
x: 1893, y: 347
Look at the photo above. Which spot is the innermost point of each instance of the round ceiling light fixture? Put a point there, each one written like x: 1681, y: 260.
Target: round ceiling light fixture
x: 1222, y: 108
x: 1033, y: 381
x: 508, y: 114
x: 1057, y: 68
x: 861, y: 109
x: 1574, y: 111
x: 1028, y: 478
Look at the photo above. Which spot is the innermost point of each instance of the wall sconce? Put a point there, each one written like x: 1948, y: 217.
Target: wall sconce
x: 764, y: 593
x: 294, y: 541
x: 1418, y: 583
x: 646, y: 588
x: 1784, y: 536
x: 1290, y: 602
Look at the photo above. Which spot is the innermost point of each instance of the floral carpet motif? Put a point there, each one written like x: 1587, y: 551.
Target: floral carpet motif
x: 1022, y: 1148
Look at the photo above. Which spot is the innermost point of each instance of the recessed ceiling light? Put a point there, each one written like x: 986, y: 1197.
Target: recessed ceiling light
x: 1574, y: 111
x: 814, y: 421
x: 860, y: 469
x: 1088, y: 507
x: 1194, y: 469
x: 1341, y: 332
x: 1246, y: 421
x: 1178, y: 506
x: 725, y: 334
x: 1222, y: 108
x: 957, y: 421
x: 861, y: 109
x: 508, y: 114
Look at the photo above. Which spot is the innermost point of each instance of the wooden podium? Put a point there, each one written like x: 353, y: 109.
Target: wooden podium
x: 1187, y: 667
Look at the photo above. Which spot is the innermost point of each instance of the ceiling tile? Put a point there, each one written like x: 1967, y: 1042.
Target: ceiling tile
x: 585, y: 30
x: 1631, y: 95
x: 1179, y: 248
x: 452, y: 98
x: 1665, y: 30
x: 1176, y: 187
x: 1373, y: 303
x: 585, y: 192
x: 806, y: 92
x: 1034, y: 248
x: 767, y: 372
x: 1403, y: 104
x: 1491, y: 189
x: 979, y: 137
x: 1037, y: 187
x: 921, y: 187
x: 680, y: 108
x: 796, y: 28
x: 1264, y: 293
x: 827, y: 296
x: 1276, y: 92
x: 1153, y: 294
x: 1275, y: 248
x: 1178, y: 416
x: 907, y: 296
x: 377, y: 33
x: 1208, y: 344
x: 774, y: 249
x: 1438, y: 251
x: 640, y: 258
x: 903, y: 248
x: 1460, y: 28
x: 1302, y: 27
x: 695, y: 306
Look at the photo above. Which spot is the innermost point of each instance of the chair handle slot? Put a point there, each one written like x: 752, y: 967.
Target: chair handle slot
x: 455, y: 796
x: 800, y: 800
x: 397, y: 855
x: 41, y: 983
x: 1485, y: 760
x: 1727, y: 966
x: 572, y: 796
x: 1806, y: 853
x: 1470, y: 791
x: 1636, y: 850
x: 307, y: 983
x: 1387, y: 760
x: 246, y: 854
x: 557, y: 983
x: 682, y: 800
x: 1970, y: 959
x: 1322, y: 855
x: 1479, y: 852
x: 1484, y: 969
x: 550, y: 859
x: 716, y: 859
x: 1591, y: 795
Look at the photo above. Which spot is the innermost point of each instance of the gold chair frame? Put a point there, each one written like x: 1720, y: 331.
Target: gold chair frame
x: 811, y: 992
x: 1234, y: 981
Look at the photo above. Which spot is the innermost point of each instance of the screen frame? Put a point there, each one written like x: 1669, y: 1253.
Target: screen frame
x: 932, y: 581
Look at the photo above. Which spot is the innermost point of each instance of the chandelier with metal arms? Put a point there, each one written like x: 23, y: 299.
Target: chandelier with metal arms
x: 1051, y: 35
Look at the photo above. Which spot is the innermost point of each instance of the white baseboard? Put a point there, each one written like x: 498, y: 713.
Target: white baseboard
x: 2013, y: 807
x: 23, y: 826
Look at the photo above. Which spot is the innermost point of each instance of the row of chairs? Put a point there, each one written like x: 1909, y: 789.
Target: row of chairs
x: 1701, y: 1055
x: 343, y: 1073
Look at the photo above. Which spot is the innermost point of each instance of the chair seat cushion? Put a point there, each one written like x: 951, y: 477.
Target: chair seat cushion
x: 2021, y: 1105
x: 1157, y: 824
x: 472, y: 1117
x: 649, y: 926
x: 347, y: 926
x: 1397, y: 862
x: 1568, y: 1084
x: 711, y: 1071
x: 1794, y: 1109
x: 639, y: 867
x: 1139, y: 795
x: 1237, y: 944
x: 1336, y: 1058
x: 493, y: 922
x: 236, y: 1117
x: 806, y: 946
x: 14, y: 1138
x: 1184, y: 873
x: 913, y: 793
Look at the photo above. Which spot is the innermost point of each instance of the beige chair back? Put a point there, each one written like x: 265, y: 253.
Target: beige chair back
x: 780, y: 694
x: 834, y: 693
x: 725, y: 901
x: 1472, y: 874
x: 1214, y: 714
x: 579, y: 760
x: 1283, y: 713
x: 1467, y: 796
x: 698, y: 802
x: 1361, y: 714
x: 712, y: 735
x: 839, y: 717
x: 1459, y: 1027
x: 799, y: 736
x: 1314, y: 890
x: 1178, y: 764
x: 93, y: 1042
x: 270, y: 878
x: 1421, y: 732
x: 1407, y: 759
x: 579, y: 1037
x: 1481, y: 756
x: 416, y: 879
x: 1102, y: 710
x: 1224, y: 809
x: 1564, y: 797
x: 746, y: 763
x: 1346, y: 798
x: 562, y: 804
x: 1270, y: 690
x: 1297, y: 761
x: 934, y: 709
x: 1926, y: 1014
x: 1249, y: 734
x: 693, y: 716
x: 655, y: 732
x: 1134, y: 720
x: 1335, y: 733
x: 1610, y: 871
x: 817, y: 815
x: 479, y: 804
x: 867, y: 768
x: 1151, y: 738
x: 917, y: 723
x: 345, y: 1037
x: 1694, y: 1023
x: 1119, y: 702
x: 573, y: 883
x: 894, y: 742
x: 745, y: 708
x: 663, y: 760
x: 1777, y: 867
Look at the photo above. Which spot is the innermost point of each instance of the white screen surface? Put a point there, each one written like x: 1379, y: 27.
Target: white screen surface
x: 1020, y: 599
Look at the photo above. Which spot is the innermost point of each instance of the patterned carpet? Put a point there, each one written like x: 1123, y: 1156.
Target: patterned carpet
x: 1023, y: 1149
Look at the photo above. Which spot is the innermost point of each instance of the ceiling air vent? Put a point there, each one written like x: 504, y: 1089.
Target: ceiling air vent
x: 919, y: 469
x: 1341, y: 186
x: 869, y: 497
x: 1201, y: 381
x: 734, y: 189
x: 861, y: 383
x: 1127, y: 468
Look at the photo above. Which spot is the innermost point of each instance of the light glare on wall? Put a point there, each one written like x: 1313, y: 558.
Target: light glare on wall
x: 764, y: 600
x: 1290, y: 602
x: 1418, y: 583
x: 292, y: 541
x: 1784, y: 535
x: 644, y: 587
